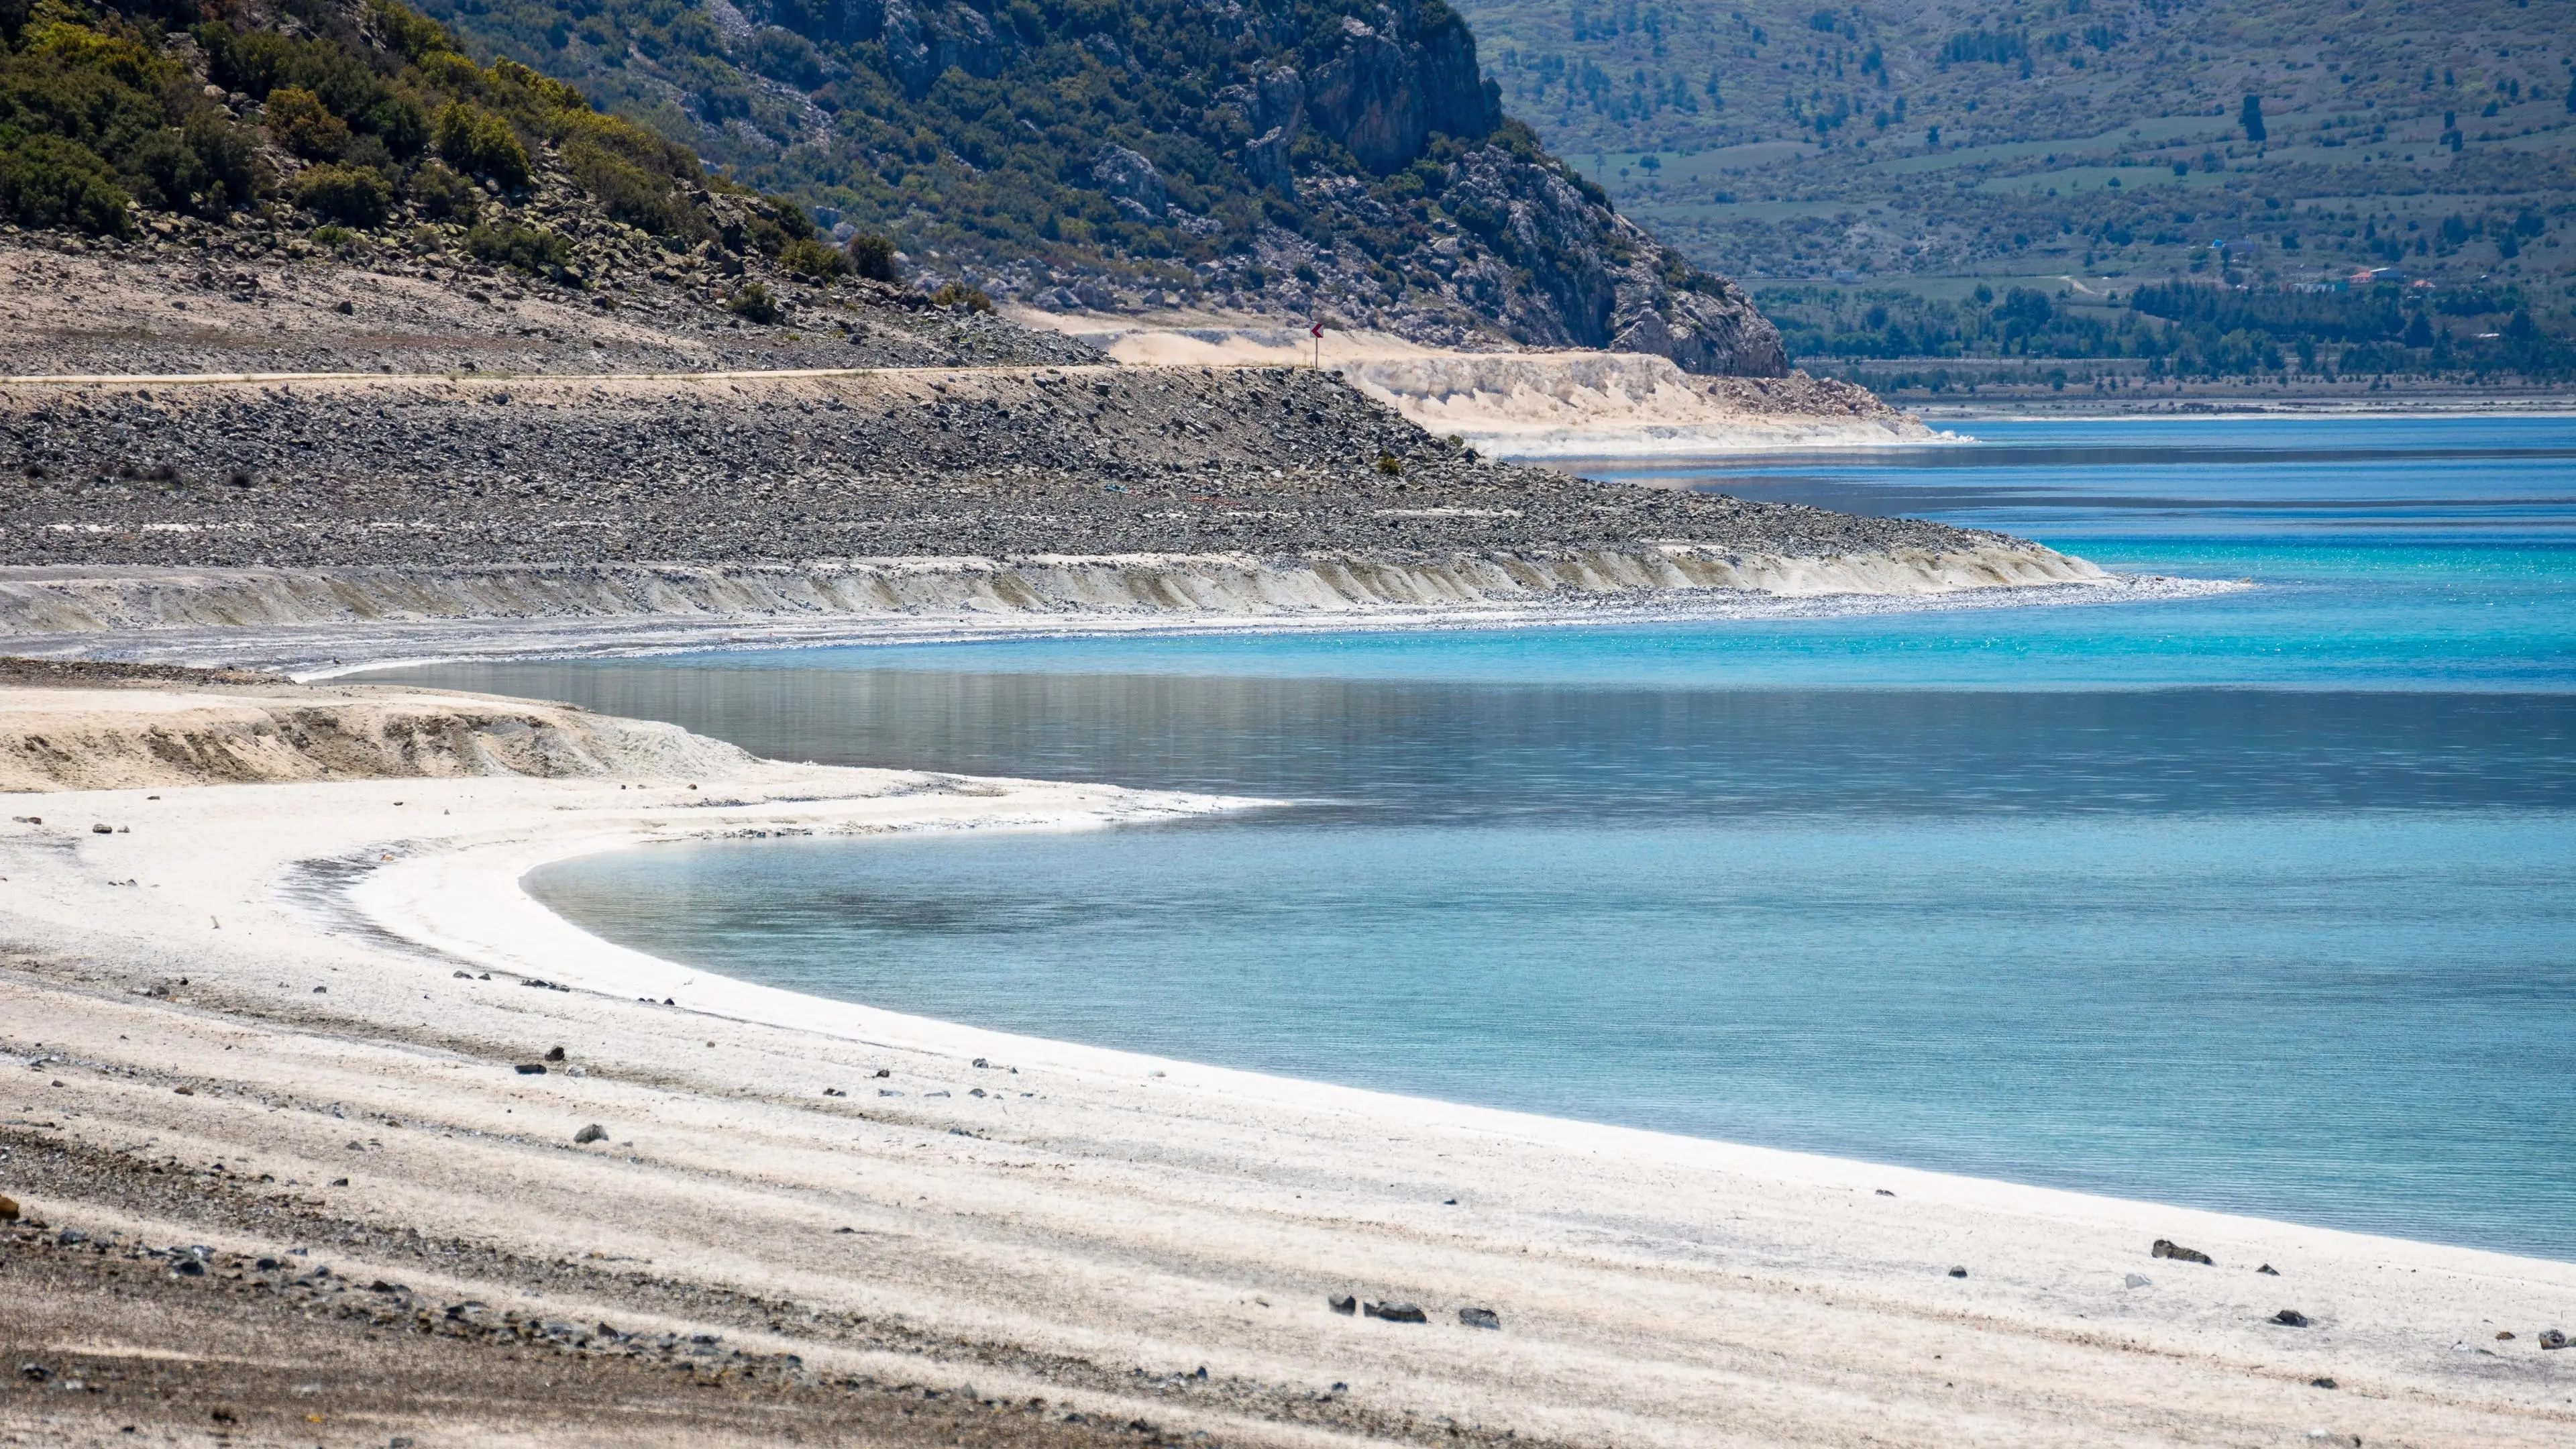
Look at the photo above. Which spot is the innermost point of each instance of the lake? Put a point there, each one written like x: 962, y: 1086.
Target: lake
x: 2262, y: 901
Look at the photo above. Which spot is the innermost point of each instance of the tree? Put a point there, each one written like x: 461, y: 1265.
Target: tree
x: 2251, y: 118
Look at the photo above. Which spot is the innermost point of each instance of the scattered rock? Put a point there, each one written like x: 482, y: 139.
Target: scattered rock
x: 2139, y: 1280
x: 532, y: 1069
x: 1958, y: 1272
x: 102, y: 830
x: 2290, y: 1318
x: 339, y: 1182
x: 1883, y: 1192
x: 2268, y: 1271
x: 2552, y: 1338
x: 2321, y: 1383
x: 1480, y: 1318
x: 225, y: 1414
x: 2504, y: 1335
x: 554, y: 1054
x: 1396, y: 1312
x: 885, y: 1071
x: 184, y: 1091
x: 189, y: 1268
x: 592, y: 1133
x: 2168, y: 1248
x: 8, y: 1209
x: 464, y: 975
x: 1344, y: 1304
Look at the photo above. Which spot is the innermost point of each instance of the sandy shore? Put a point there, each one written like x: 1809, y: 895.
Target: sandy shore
x: 290, y: 980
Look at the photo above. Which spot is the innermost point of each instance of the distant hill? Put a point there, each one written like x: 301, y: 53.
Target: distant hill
x: 1339, y: 159
x: 1915, y: 150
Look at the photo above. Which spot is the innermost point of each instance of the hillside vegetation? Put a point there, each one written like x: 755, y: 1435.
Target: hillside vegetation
x: 1912, y: 152
x: 1328, y: 158
x: 330, y: 183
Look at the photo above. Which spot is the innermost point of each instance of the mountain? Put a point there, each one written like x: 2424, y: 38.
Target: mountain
x: 1327, y: 158
x: 1915, y: 151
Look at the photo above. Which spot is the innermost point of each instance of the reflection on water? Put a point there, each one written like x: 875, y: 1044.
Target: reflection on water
x: 1431, y: 750
x: 2192, y: 476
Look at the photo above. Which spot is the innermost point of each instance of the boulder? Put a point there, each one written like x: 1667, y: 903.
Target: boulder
x: 1130, y: 179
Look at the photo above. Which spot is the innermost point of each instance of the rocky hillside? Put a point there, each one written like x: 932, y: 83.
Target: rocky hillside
x: 1294, y: 158
x: 330, y: 185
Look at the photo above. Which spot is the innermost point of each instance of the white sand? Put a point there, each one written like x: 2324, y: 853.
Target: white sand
x: 1128, y: 1213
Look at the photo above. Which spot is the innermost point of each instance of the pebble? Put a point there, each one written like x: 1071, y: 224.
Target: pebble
x: 592, y: 1133
x: 2140, y: 1280
x: 2268, y: 1271
x: 2552, y: 1338
x: 1958, y: 1272
x: 1480, y: 1318
x: 1396, y: 1312
x: 2290, y: 1318
x: 532, y: 1069
x: 1344, y: 1304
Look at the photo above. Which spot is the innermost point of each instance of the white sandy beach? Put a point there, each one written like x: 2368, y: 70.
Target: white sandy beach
x: 1115, y: 1222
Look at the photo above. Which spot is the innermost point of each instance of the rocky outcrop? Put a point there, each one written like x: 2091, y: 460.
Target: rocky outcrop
x: 1391, y: 85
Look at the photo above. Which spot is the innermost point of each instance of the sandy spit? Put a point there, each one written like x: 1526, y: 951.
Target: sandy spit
x: 1094, y: 1227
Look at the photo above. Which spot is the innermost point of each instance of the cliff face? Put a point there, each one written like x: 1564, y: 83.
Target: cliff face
x: 1342, y: 160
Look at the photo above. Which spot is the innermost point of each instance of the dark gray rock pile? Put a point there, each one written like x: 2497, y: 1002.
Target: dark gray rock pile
x: 1002, y: 463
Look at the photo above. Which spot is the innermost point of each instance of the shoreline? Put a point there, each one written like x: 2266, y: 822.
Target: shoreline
x: 327, y: 647
x: 1109, y: 1227
x: 474, y: 905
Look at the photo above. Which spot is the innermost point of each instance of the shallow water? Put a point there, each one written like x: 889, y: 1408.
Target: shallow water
x: 2263, y: 901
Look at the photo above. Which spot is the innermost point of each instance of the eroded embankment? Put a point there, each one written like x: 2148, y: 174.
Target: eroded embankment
x: 71, y: 602
x: 110, y: 737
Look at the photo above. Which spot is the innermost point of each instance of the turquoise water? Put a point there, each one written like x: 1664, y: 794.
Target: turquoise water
x: 2263, y: 901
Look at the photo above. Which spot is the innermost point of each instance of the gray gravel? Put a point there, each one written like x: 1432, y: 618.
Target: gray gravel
x: 913, y: 462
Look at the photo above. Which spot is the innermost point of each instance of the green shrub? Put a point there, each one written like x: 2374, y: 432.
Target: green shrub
x: 48, y: 181
x: 357, y: 195
x: 754, y: 304
x: 444, y: 195
x: 957, y: 294
x: 334, y: 237
x: 476, y: 141
x: 530, y: 249
x: 807, y: 257
x: 872, y: 257
x: 298, y: 121
x: 631, y: 193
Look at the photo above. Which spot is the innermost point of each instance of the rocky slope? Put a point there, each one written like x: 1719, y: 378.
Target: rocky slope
x: 903, y: 463
x: 1289, y: 158
x: 550, y: 238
